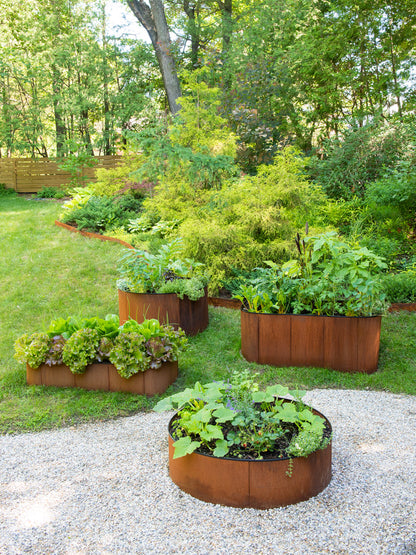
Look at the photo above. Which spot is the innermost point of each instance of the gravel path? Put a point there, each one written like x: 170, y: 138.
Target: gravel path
x: 104, y: 489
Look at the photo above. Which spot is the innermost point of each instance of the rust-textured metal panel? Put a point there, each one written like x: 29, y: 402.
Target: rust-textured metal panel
x: 59, y: 376
x: 307, y: 340
x: 211, y: 479
x: 259, y: 484
x: 157, y: 381
x: 337, y: 342
x: 250, y: 336
x: 142, y: 306
x: 368, y: 349
x: 168, y: 308
x: 33, y: 375
x: 95, y: 377
x: 275, y: 339
x: 341, y: 343
x: 225, y: 303
x: 135, y: 384
x: 193, y: 315
x: 271, y: 486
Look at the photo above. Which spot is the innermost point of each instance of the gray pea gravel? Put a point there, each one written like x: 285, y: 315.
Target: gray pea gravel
x: 104, y: 489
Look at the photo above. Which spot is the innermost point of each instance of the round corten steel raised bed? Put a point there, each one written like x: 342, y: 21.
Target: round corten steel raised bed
x: 258, y: 484
x: 104, y: 376
x: 348, y: 344
x: 168, y: 308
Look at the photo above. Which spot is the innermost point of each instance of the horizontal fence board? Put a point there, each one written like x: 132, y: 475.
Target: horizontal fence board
x: 29, y: 176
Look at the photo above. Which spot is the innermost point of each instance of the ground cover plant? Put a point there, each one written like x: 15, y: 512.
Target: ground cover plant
x: 48, y: 272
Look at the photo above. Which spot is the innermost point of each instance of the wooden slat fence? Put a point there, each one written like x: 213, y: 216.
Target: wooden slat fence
x: 26, y: 175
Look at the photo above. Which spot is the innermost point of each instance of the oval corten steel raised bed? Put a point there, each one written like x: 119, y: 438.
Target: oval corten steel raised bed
x: 348, y: 344
x: 168, y: 308
x: 104, y: 376
x: 258, y: 484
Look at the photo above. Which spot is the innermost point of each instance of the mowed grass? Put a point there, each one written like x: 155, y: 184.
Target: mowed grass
x: 47, y: 272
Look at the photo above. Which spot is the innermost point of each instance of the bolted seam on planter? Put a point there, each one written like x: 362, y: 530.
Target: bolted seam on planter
x: 349, y: 344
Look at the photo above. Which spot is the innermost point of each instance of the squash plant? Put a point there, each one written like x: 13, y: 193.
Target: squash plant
x: 235, y: 420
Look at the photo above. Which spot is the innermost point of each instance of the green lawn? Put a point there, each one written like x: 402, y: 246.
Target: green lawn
x: 47, y: 272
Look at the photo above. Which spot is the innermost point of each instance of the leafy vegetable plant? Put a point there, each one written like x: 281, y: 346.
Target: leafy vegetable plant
x: 329, y: 277
x: 235, y: 420
x: 164, y: 272
x: 78, y: 342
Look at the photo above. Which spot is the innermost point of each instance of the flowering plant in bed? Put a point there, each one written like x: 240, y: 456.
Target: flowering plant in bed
x: 236, y: 420
x: 79, y: 342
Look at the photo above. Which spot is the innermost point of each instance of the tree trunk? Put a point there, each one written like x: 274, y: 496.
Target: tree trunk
x: 57, y: 110
x: 226, y: 7
x: 154, y: 21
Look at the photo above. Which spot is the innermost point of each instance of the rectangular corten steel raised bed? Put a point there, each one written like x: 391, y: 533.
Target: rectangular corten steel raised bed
x: 104, y: 376
x: 349, y: 344
x: 168, y: 308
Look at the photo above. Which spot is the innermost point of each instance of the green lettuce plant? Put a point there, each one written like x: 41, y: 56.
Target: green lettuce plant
x: 78, y: 342
x: 235, y: 420
x: 32, y: 349
x: 80, y: 350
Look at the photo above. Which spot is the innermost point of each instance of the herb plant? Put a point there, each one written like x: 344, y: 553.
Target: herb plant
x: 235, y: 420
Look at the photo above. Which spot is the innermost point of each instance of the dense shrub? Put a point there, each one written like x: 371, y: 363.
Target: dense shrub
x: 245, y: 222
x: 51, y: 192
x: 360, y: 157
x: 400, y: 288
x: 104, y: 213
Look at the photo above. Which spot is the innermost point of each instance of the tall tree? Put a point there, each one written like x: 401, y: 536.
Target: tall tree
x: 153, y: 19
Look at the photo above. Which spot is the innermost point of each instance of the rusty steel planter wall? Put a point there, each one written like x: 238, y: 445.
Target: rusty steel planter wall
x: 348, y: 344
x: 259, y: 484
x: 191, y: 316
x: 104, y: 376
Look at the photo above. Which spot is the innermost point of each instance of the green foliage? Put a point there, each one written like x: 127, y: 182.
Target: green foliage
x: 103, y: 213
x: 236, y: 420
x: 249, y: 220
x: 32, y: 349
x: 350, y: 165
x: 400, y: 288
x: 120, y: 180
x: 80, y: 350
x: 128, y: 354
x: 198, y: 125
x: 77, y: 342
x: 7, y: 191
x: 76, y: 160
x: 330, y: 277
x: 51, y: 192
x: 163, y: 272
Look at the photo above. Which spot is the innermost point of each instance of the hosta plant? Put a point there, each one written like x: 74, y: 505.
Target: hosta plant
x: 236, y: 420
x: 78, y: 342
